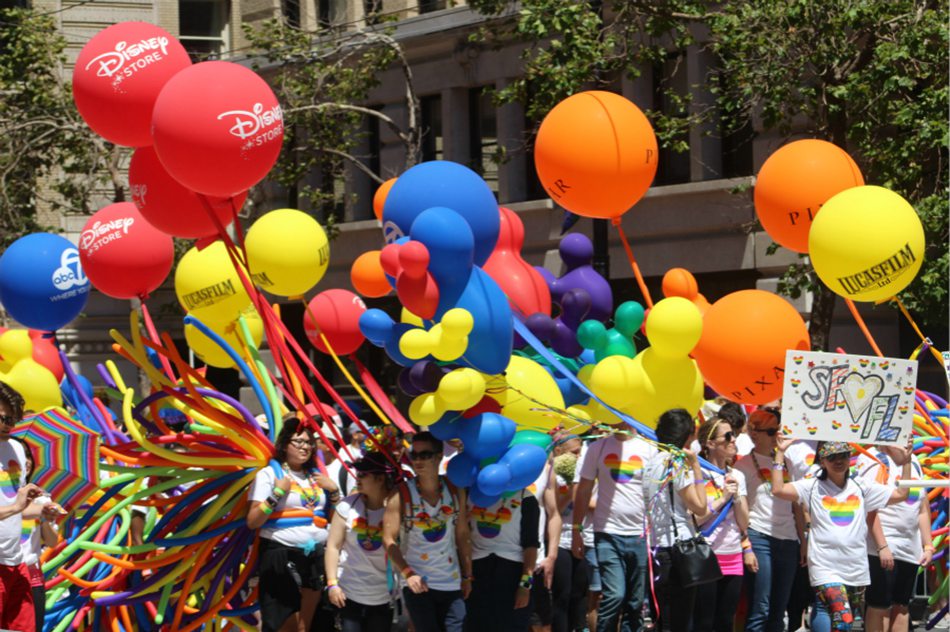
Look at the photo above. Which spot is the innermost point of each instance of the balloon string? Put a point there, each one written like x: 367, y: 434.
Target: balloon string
x: 380, y: 396
x: 153, y: 334
x: 863, y: 327
x: 633, y: 263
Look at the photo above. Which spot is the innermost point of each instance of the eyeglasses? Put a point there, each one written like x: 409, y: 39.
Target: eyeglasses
x: 728, y: 437
x: 422, y: 455
x: 769, y: 431
x: 8, y: 420
x: 302, y: 444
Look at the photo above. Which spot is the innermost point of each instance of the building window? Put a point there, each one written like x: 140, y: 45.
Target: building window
x: 290, y: 9
x: 374, y: 142
x: 670, y: 89
x: 428, y: 6
x: 483, y: 139
x: 431, y: 114
x: 372, y: 10
x: 204, y: 27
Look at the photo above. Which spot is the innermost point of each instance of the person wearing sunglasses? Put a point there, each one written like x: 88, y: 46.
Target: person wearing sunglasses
x: 291, y: 558
x: 716, y: 602
x: 357, y: 579
x: 426, y: 536
x: 16, y: 495
x: 776, y: 527
x: 839, y: 507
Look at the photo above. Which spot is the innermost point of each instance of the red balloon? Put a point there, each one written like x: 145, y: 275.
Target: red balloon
x: 170, y: 207
x: 217, y: 128
x: 118, y: 76
x: 122, y: 254
x: 46, y: 353
x: 525, y: 287
x: 335, y: 314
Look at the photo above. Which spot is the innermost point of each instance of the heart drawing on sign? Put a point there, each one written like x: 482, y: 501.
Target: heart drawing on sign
x: 859, y: 391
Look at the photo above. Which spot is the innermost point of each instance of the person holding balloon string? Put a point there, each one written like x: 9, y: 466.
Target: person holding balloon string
x: 357, y: 571
x: 291, y: 558
x: 716, y: 602
x: 838, y: 506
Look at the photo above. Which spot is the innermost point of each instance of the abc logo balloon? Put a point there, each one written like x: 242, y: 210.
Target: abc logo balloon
x: 596, y: 154
x: 867, y: 244
x: 170, y: 207
x: 123, y: 255
x: 208, y: 286
x: 119, y: 74
x: 795, y: 182
x: 217, y: 128
x: 287, y: 252
x: 42, y: 283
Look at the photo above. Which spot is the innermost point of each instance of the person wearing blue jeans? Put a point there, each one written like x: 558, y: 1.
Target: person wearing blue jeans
x: 771, y: 586
x: 623, y: 564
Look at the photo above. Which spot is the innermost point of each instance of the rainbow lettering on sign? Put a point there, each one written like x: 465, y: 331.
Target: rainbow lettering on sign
x: 10, y: 479
x: 842, y: 513
x: 368, y: 536
x: 489, y: 524
x: 623, y: 471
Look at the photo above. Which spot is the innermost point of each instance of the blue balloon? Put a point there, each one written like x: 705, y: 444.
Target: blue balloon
x: 448, y: 184
x: 486, y: 435
x: 462, y: 470
x: 447, y: 427
x: 381, y: 330
x: 525, y: 462
x: 481, y: 499
x: 42, y: 284
x: 494, y: 480
x: 69, y: 393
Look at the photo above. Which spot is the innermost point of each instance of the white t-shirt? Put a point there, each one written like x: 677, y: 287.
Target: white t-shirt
x: 726, y: 538
x: 362, y: 568
x: 769, y: 515
x: 428, y: 538
x: 899, y: 522
x: 617, y: 466
x: 657, y: 497
x: 497, y: 529
x: 587, y: 534
x: 12, y: 478
x: 537, y: 489
x: 838, y: 538
x: 301, y: 536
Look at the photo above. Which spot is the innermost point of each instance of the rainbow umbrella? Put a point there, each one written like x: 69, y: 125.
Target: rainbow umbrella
x: 66, y: 454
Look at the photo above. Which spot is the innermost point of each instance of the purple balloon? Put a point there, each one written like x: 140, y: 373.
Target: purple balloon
x: 576, y: 252
x: 425, y: 375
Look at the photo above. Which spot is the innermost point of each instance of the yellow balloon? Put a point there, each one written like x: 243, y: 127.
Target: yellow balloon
x: 664, y: 383
x: 405, y: 316
x: 536, y: 389
x: 426, y: 409
x: 461, y: 389
x: 35, y: 383
x: 867, y: 243
x: 15, y: 345
x: 674, y: 326
x: 597, y: 413
x: 613, y: 380
x: 210, y: 353
x: 208, y: 286
x: 287, y: 251
x: 445, y: 341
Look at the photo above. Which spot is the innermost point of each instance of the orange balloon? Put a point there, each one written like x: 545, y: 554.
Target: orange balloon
x: 596, y: 154
x: 793, y: 184
x: 367, y: 275
x: 741, y: 353
x: 680, y: 282
x: 379, y: 198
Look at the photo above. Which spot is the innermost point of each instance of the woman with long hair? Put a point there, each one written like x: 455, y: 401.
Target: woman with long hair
x: 716, y: 601
x: 839, y: 507
x: 357, y: 577
x: 291, y: 558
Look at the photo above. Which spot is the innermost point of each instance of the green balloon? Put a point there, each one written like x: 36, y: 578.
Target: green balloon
x: 628, y: 318
x: 532, y: 437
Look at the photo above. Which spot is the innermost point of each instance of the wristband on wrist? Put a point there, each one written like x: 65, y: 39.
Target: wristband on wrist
x: 881, y: 548
x: 272, y: 501
x: 778, y: 466
x: 746, y: 549
x: 278, y: 492
x: 699, y: 481
x: 407, y: 572
x: 929, y: 547
x: 527, y: 580
x: 577, y: 526
x: 331, y: 583
x: 267, y: 509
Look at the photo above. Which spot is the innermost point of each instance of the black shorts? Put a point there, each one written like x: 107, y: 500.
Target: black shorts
x: 284, y: 570
x: 890, y: 588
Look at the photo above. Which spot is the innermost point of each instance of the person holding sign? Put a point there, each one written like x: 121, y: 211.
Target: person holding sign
x: 838, y: 506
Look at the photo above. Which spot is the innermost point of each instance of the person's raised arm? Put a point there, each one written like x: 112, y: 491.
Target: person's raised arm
x: 781, y: 489
x: 694, y: 496
x: 900, y: 493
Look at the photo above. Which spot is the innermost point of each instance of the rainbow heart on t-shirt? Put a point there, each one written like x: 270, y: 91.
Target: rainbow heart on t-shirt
x: 10, y: 479
x: 913, y: 493
x: 623, y: 471
x: 26, y: 530
x: 842, y: 512
x: 712, y: 492
x: 489, y: 524
x: 369, y: 537
x: 433, y: 529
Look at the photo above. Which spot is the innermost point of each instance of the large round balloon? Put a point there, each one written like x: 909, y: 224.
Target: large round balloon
x: 123, y: 255
x: 867, y: 244
x: 379, y: 198
x: 336, y: 315
x: 523, y: 391
x: 170, y: 207
x: 35, y: 383
x: 119, y: 74
x: 368, y: 277
x: 741, y: 352
x: 287, y: 251
x: 42, y: 283
x: 217, y: 128
x: 596, y: 154
x: 208, y: 286
x: 440, y: 183
x: 794, y: 183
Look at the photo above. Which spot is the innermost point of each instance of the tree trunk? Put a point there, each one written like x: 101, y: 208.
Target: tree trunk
x: 822, y: 311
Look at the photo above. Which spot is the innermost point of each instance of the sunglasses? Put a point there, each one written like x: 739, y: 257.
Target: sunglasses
x: 728, y: 437
x: 769, y: 431
x: 8, y: 420
x: 299, y: 443
x: 839, y: 456
x: 422, y: 455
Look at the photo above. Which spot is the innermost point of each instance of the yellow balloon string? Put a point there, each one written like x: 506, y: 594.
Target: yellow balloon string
x: 349, y: 378
x: 924, y: 340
